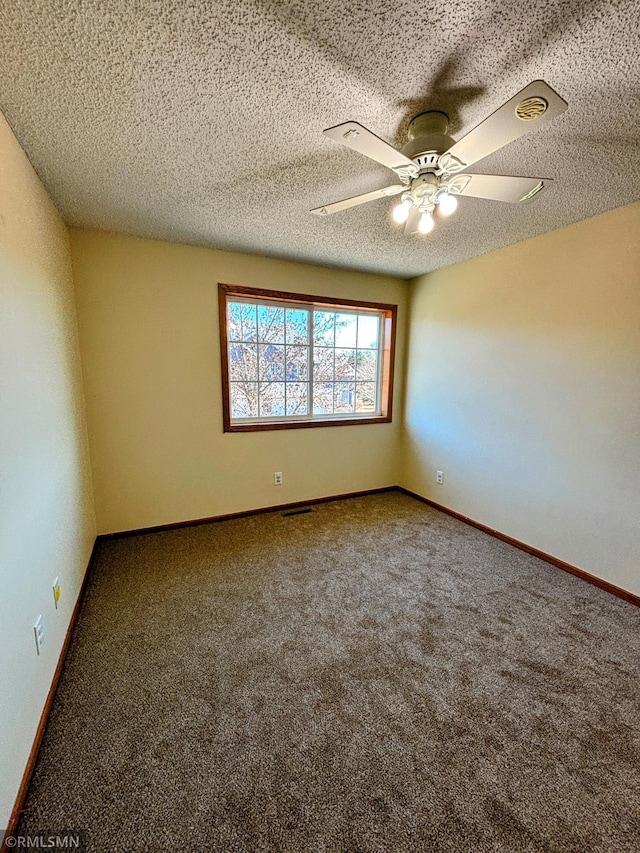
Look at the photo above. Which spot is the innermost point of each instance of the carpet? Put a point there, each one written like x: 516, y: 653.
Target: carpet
x: 373, y: 675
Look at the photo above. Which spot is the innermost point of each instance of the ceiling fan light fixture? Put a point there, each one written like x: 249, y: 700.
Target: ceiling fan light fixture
x: 401, y: 212
x: 425, y: 226
x: 447, y: 204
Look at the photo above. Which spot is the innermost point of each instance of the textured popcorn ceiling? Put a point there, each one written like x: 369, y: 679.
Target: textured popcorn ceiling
x: 201, y: 122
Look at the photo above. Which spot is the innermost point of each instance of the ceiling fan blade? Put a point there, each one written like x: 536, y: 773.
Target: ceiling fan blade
x: 532, y: 107
x: 500, y: 187
x: 357, y: 137
x: 326, y: 209
x: 411, y: 226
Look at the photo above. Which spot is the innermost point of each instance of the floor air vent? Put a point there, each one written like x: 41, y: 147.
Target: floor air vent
x: 297, y: 511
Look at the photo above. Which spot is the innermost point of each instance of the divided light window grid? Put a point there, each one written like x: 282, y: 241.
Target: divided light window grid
x: 291, y: 363
x: 298, y: 361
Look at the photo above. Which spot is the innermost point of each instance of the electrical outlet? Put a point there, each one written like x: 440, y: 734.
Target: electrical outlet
x: 38, y: 630
x: 277, y: 478
x: 56, y: 592
x: 439, y: 477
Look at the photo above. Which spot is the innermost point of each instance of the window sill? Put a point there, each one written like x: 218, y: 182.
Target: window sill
x: 328, y: 422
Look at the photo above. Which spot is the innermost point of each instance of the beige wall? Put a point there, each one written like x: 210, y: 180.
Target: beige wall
x: 524, y: 388
x: 151, y: 358
x: 47, y: 525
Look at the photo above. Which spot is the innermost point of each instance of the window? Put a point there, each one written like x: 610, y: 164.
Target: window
x: 291, y: 360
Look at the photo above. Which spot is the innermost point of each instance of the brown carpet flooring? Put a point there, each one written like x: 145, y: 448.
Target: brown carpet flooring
x: 370, y: 676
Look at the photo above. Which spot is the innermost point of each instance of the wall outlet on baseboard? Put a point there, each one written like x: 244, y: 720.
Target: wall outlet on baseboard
x: 439, y: 477
x: 277, y: 478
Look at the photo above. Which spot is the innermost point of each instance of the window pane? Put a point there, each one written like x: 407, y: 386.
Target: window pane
x: 241, y: 321
x: 297, y: 326
x: 297, y: 398
x: 323, y: 358
x: 243, y: 362
x: 288, y: 359
x: 346, y: 325
x: 365, y: 397
x: 345, y: 364
x: 244, y: 399
x: 344, y: 397
x: 297, y: 360
x: 271, y: 399
x: 323, y: 328
x: 271, y: 362
x: 367, y: 364
x: 368, y: 331
x: 270, y: 324
x: 323, y: 398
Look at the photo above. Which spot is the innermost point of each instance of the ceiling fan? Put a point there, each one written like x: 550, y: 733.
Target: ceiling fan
x: 431, y: 165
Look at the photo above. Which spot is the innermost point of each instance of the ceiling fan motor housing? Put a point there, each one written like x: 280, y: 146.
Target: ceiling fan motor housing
x: 428, y: 139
